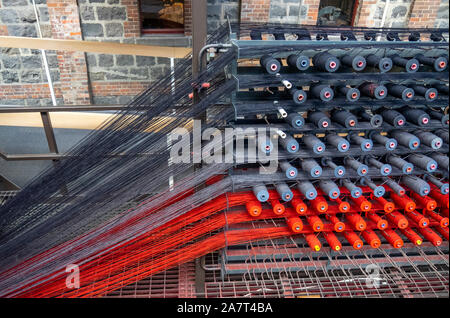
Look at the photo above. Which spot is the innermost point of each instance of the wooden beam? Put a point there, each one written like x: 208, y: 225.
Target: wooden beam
x: 93, y: 47
x: 76, y: 120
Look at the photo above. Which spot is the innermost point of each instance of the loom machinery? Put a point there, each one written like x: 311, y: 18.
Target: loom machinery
x: 358, y: 120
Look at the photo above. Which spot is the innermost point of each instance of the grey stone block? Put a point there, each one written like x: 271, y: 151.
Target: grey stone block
x: 39, y: 1
x: 294, y: 11
x: 113, y: 1
x: 105, y: 60
x: 91, y: 59
x: 105, y: 100
x: 158, y: 72
x: 163, y: 61
x: 97, y: 76
x: 277, y: 11
x: 114, y: 29
x: 399, y: 11
x: 442, y: 12
x: 10, y: 77
x: 398, y: 24
x: 87, y: 13
x: 30, y: 76
x: 27, y: 15
x: 33, y: 102
x: 124, y: 60
x: 145, y: 60
x: 54, y: 74
x: 123, y: 100
x: 378, y: 13
x: 96, y: 1
x: 214, y: 11
x: 111, y: 13
x: 15, y: 102
x: 140, y: 72
x: 46, y: 30
x: 43, y: 14
x: 232, y: 11
x: 92, y: 29
x: 52, y: 61
x: 179, y: 41
x: 31, y: 62
x: 212, y: 26
x: 303, y: 11
x: 22, y: 30
x: 10, y: 62
x: 9, y: 16
x: 13, y: 3
x: 9, y: 51
x: 443, y: 24
x: 117, y: 74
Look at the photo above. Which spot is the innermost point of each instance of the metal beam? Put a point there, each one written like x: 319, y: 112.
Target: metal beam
x: 199, y: 32
x: 8, y: 184
x: 26, y: 157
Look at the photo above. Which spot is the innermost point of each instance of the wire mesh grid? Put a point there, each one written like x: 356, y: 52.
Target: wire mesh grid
x: 177, y: 282
x: 283, y: 268
x: 286, y: 268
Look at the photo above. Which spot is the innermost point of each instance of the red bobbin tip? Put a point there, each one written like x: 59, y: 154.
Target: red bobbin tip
x: 375, y: 243
x: 398, y: 243
x: 339, y: 227
x: 382, y: 224
x: 357, y: 244
x: 403, y: 223
x: 389, y: 207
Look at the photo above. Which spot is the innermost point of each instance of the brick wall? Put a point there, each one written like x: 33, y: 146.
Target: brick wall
x: 397, y: 13
x: 255, y: 10
x: 22, y: 67
x: 65, y: 22
x: 187, y: 17
x: 424, y: 13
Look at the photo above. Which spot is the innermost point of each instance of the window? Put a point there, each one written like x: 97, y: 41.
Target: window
x: 336, y: 12
x: 162, y: 16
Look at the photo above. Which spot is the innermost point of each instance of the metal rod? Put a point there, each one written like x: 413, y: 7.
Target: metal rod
x: 44, y: 58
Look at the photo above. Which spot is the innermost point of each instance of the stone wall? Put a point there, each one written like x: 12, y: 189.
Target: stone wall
x: 286, y: 11
x: 442, y: 15
x: 218, y: 10
x: 397, y: 14
x: 109, y: 78
x: 106, y: 20
x: 294, y: 11
x: 105, y: 78
x: 23, y: 67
